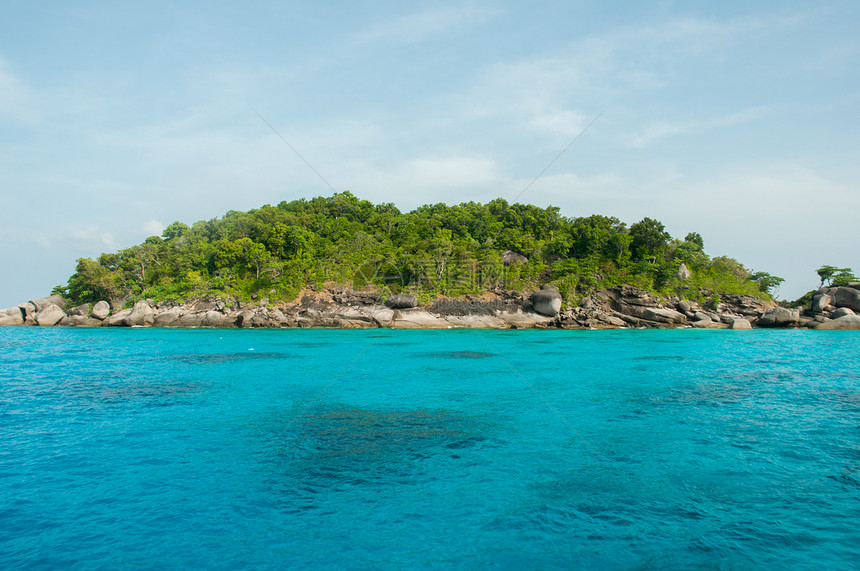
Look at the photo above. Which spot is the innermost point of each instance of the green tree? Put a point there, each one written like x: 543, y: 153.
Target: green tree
x: 833, y: 276
x: 767, y: 283
x: 649, y: 238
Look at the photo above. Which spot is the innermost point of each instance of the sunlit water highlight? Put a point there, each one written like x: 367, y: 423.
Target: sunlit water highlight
x: 181, y: 449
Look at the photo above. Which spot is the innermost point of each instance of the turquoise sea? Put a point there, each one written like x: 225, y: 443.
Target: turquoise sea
x: 378, y: 449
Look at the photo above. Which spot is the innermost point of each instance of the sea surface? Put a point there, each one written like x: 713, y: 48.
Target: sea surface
x: 456, y: 449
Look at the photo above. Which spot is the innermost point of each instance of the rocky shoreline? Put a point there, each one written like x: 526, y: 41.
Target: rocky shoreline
x: 337, y: 307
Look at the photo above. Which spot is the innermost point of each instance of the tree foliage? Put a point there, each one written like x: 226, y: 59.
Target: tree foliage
x: 435, y: 249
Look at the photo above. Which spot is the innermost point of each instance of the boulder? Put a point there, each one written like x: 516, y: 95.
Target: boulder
x: 819, y: 303
x: 213, y: 318
x: 191, y: 320
x: 509, y: 257
x: 244, y: 318
x: 525, y: 320
x: 779, y: 317
x: 844, y: 322
x: 28, y: 310
x: 684, y: 306
x: 701, y: 316
x: 84, y: 321
x: 49, y: 315
x: 141, y: 314
x: 546, y: 301
x: 118, y: 319
x: 664, y: 315
x: 740, y: 323
x: 841, y: 312
x: 81, y: 310
x: 683, y: 273
x: 101, y: 310
x: 169, y: 318
x: 381, y: 316
x: 402, y: 301
x: 44, y: 302
x: 847, y: 297
x: 11, y: 316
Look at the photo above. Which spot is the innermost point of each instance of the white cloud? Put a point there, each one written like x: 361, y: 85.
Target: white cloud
x: 153, y: 228
x: 93, y: 238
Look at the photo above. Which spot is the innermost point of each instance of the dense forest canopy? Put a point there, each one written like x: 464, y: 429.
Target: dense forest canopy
x: 275, y: 251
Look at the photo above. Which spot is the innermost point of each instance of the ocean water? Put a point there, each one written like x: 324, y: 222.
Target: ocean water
x: 377, y: 449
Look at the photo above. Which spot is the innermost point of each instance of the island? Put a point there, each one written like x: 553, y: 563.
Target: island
x: 343, y: 262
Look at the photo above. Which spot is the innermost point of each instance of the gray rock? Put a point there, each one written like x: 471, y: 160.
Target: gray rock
x: 841, y: 312
x: 381, y: 316
x: 547, y: 301
x: 169, y: 318
x: 118, y: 319
x: 101, y: 310
x: 416, y: 319
x: 844, y: 322
x: 81, y: 310
x: 819, y: 303
x: 402, y: 301
x: 684, y: 306
x: 50, y: 315
x: 141, y: 314
x: 213, y: 318
x: 847, y: 297
x: 11, y: 316
x: 191, y: 320
x: 244, y: 318
x: 44, y: 302
x: 84, y: 321
x: 779, y: 317
x: 28, y: 310
x: 701, y: 316
x: 740, y: 323
x: 663, y: 315
x: 683, y: 273
x: 509, y: 257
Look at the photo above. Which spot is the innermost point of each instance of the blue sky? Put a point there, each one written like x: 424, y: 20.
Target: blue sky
x: 738, y: 120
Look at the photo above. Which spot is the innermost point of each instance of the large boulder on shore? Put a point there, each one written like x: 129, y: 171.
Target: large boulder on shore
x: 740, y: 323
x: 11, y: 316
x: 844, y: 322
x: 101, y: 310
x: 44, y: 302
x: 402, y: 301
x: 118, y: 319
x: 779, y: 317
x: 665, y: 315
x: 847, y: 297
x: 141, y: 314
x: 169, y: 318
x: 547, y: 301
x: 50, y: 315
x: 81, y: 310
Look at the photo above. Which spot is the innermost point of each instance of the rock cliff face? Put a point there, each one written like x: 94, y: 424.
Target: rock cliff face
x: 621, y: 306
